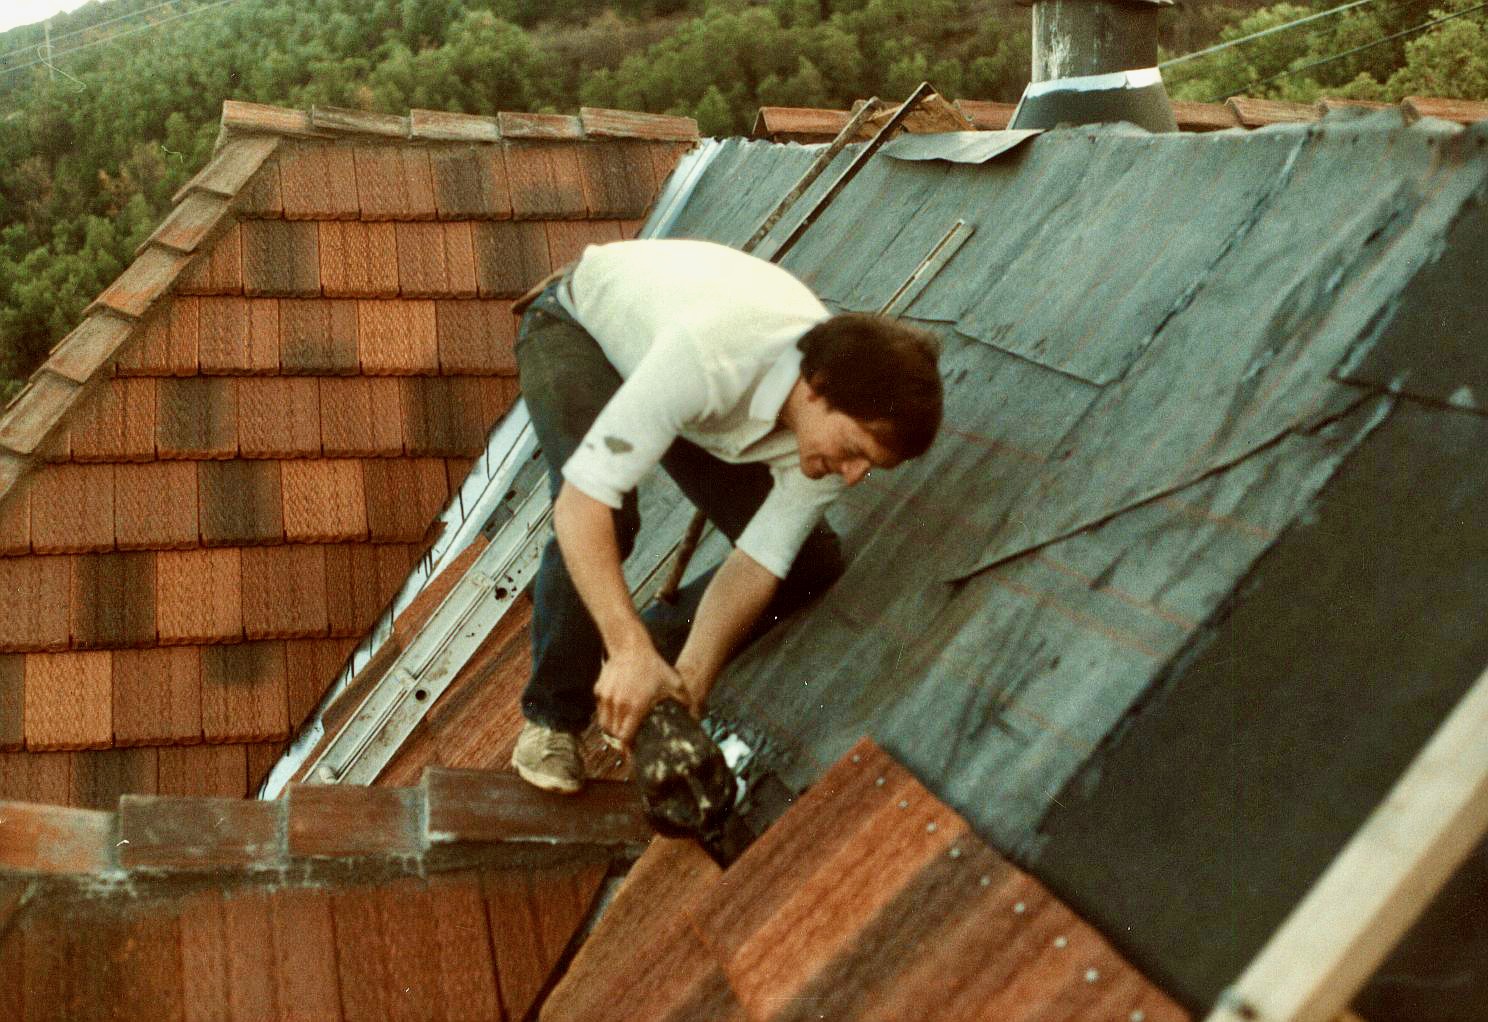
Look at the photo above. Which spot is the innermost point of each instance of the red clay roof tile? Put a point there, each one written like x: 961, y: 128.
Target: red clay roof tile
x: 89, y: 347
x: 360, y: 417
x: 1463, y: 111
x: 218, y: 270
x: 470, y: 183
x: 72, y: 508
x: 113, y: 600
x: 324, y: 501
x: 305, y: 953
x: 259, y: 117
x: 51, y: 839
x: 279, y: 417
x: 243, y: 694
x: 34, y: 593
x: 394, y: 183
x: 545, y: 180
x: 567, y: 239
x: 31, y: 419
x: 155, y: 506
x: 166, y: 345
x: 664, y: 160
x: 466, y: 967
x: 476, y: 337
x: 345, y: 120
x: 281, y: 258
x: 101, y: 776
x: 231, y: 168
x: 116, y: 422
x: 157, y: 696
x: 241, y: 502
x: 397, y: 338
x: 1254, y: 113
x: 599, y: 123
x: 482, y: 805
x: 359, y: 260
x: 12, y: 467
x: 510, y: 256
x: 441, y: 126
x: 318, y: 182
x: 435, y: 260
x: 1331, y: 104
x: 443, y: 416
x: 456, y: 469
x: 238, y: 335
x: 190, y: 833
x: 204, y: 944
x: 200, y: 597
x: 313, y: 663
x: 618, y: 178
x: 144, y: 281
x: 69, y: 701
x: 331, y: 820
x: 284, y: 593
x: 263, y: 195
x: 197, y: 417
x: 15, y: 521
x: 631, y: 228
x: 798, y: 124
x: 204, y: 771
x: 36, y: 776
x: 318, y: 336
x: 361, y: 959
x: 349, y: 613
x: 377, y: 573
x: 403, y: 496
x: 12, y: 703
x: 261, y: 759
x: 1204, y: 116
x: 410, y: 942
x: 547, y: 126
x: 987, y: 115
x: 189, y: 224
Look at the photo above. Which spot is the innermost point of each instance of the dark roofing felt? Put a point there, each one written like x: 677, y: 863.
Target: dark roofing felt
x: 1166, y: 359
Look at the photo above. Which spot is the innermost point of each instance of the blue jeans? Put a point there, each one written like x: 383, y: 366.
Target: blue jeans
x: 566, y: 381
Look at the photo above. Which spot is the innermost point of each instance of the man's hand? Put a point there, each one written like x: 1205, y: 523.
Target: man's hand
x: 630, y: 683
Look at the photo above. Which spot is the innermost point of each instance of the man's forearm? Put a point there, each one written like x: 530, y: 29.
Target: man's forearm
x: 586, y: 536
x: 733, y: 602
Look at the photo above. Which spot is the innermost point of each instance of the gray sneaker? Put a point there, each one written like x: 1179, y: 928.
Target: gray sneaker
x: 548, y: 759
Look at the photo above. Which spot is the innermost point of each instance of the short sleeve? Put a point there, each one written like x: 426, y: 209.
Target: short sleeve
x: 639, y: 423
x: 778, y: 529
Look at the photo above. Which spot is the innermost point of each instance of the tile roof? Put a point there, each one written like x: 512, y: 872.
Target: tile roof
x: 869, y: 899
x: 217, y: 481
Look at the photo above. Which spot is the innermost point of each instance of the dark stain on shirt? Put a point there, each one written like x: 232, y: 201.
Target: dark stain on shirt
x: 618, y: 446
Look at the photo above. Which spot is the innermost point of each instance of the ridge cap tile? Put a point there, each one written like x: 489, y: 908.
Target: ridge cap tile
x: 350, y: 121
x: 264, y: 118
x: 229, y: 168
x: 39, y: 838
x: 603, y: 122
x: 142, y: 283
x: 560, y: 127
x: 35, y: 412
x: 189, y: 224
x: 90, y: 346
x: 487, y: 805
x: 444, y: 126
x: 344, y: 821
x: 183, y: 832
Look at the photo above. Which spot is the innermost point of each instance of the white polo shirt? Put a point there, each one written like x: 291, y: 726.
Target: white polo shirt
x: 704, y: 337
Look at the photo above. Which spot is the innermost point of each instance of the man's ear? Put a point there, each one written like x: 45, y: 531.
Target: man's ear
x: 814, y: 384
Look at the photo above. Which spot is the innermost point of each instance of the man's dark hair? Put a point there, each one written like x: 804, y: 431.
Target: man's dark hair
x: 882, y: 373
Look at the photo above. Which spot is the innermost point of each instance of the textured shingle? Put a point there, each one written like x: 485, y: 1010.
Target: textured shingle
x: 568, y: 239
x: 155, y: 506
x: 239, y: 335
x: 281, y: 258
x: 545, y: 180
x: 279, y: 417
x: 116, y: 422
x: 510, y: 256
x: 318, y: 336
x: 359, y: 260
x: 196, y: 418
x: 324, y: 501
x: 216, y: 270
x: 200, y: 598
x: 113, y: 600
x: 15, y: 521
x: 284, y: 592
x: 241, y: 502
x: 360, y: 417
x: 394, y: 183
x: 157, y: 696
x: 262, y: 196
x: 318, y: 182
x: 12, y: 702
x: 69, y: 701
x: 443, y: 416
x: 34, y: 593
x: 72, y: 508
x: 436, y: 261
x: 243, y: 692
x: 101, y: 776
x: 470, y: 184
x: 476, y: 337
x: 397, y: 338
x: 403, y: 497
x: 203, y: 770
x: 166, y: 344
x: 618, y: 178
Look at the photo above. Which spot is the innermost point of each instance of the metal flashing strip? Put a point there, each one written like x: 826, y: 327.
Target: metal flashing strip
x: 958, y: 146
x: 678, y: 189
x: 935, y: 260
x: 1138, y: 79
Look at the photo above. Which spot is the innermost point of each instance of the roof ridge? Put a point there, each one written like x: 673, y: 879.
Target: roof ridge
x: 155, y: 834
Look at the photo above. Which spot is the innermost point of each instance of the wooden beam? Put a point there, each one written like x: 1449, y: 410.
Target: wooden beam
x: 1378, y: 885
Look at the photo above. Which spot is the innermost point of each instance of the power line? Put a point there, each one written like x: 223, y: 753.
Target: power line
x: 1358, y: 49
x: 118, y: 35
x: 131, y: 16
x: 1264, y: 32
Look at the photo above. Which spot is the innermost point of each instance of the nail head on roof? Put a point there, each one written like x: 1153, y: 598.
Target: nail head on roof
x: 1020, y: 908
x: 1061, y: 942
x: 903, y: 803
x: 1091, y: 975
x: 932, y: 827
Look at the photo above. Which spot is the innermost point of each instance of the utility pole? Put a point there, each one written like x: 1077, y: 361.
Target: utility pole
x: 1095, y: 61
x: 47, y: 28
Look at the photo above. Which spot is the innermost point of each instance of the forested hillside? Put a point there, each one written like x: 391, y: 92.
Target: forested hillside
x: 94, y: 142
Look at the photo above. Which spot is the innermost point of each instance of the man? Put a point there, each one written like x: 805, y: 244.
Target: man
x: 763, y: 407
